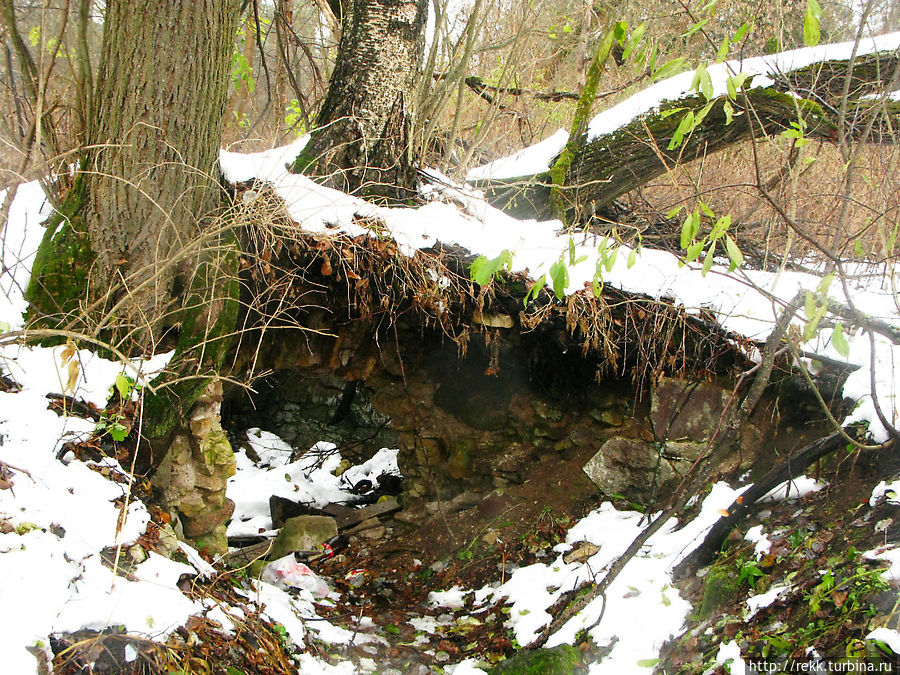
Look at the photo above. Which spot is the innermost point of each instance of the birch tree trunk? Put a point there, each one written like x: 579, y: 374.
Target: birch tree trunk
x: 361, y: 141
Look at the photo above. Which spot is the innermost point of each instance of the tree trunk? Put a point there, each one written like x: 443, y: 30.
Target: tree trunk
x: 152, y: 173
x: 137, y: 233
x: 362, y: 131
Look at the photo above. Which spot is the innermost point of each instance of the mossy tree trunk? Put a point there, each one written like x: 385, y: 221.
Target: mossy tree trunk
x: 139, y: 251
x: 152, y: 168
x: 361, y: 140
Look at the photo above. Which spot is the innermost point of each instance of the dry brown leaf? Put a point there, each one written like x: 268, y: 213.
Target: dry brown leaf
x: 74, y: 371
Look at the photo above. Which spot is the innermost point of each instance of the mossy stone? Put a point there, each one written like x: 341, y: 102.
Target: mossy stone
x: 301, y: 533
x: 216, y: 542
x: 720, y: 587
x: 561, y: 660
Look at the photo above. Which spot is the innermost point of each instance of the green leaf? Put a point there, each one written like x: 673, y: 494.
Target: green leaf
x: 701, y: 115
x: 697, y: 26
x: 721, y: 227
x: 729, y: 112
x: 559, y: 275
x: 708, y: 261
x: 742, y: 32
x: 5, y: 327
x: 608, y: 258
x: 722, y: 54
x: 734, y: 253
x: 620, y: 31
x: 733, y: 83
x: 812, y: 326
x: 632, y: 258
x: 811, y: 33
x: 684, y: 126
x: 597, y: 283
x: 706, y: 84
x: 647, y: 663
x: 809, y: 305
x: 857, y: 249
x: 636, y: 36
x: 118, y: 432
x: 690, y: 228
x: 535, y: 289
x: 670, y: 68
x: 704, y: 207
x: 571, y: 251
x: 676, y: 210
x: 483, y: 270
x: 686, y: 231
x: 838, y: 341
x: 693, y: 251
x: 671, y: 111
x: 124, y: 385
x: 825, y: 283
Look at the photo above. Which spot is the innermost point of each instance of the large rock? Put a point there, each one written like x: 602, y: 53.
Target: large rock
x: 685, y: 410
x: 301, y: 533
x: 626, y: 466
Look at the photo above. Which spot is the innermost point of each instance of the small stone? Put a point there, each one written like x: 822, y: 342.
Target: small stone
x: 208, y: 520
x: 301, y: 533
x: 137, y: 553
x: 613, y: 417
x: 582, y: 553
x: 409, y: 517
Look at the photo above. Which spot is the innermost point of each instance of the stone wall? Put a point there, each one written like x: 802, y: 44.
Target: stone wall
x: 476, y: 421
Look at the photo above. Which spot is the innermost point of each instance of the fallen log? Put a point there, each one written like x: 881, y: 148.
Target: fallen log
x: 616, y: 158
x: 786, y: 470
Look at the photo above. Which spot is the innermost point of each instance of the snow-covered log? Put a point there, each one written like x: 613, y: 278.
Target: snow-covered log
x: 835, y: 90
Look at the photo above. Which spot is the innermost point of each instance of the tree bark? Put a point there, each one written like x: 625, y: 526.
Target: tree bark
x: 152, y: 170
x: 361, y: 139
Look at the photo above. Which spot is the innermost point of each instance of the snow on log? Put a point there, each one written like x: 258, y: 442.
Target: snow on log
x: 632, y: 142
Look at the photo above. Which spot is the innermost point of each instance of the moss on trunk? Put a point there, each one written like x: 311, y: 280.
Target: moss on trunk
x: 207, y: 329
x: 61, y: 269
x: 559, y: 172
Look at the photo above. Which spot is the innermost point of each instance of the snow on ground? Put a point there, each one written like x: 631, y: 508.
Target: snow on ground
x: 310, y: 479
x: 794, y: 489
x: 761, y: 600
x: 63, y: 512
x: 729, y: 655
x: 64, y: 516
x: 756, y: 535
x: 886, y: 492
